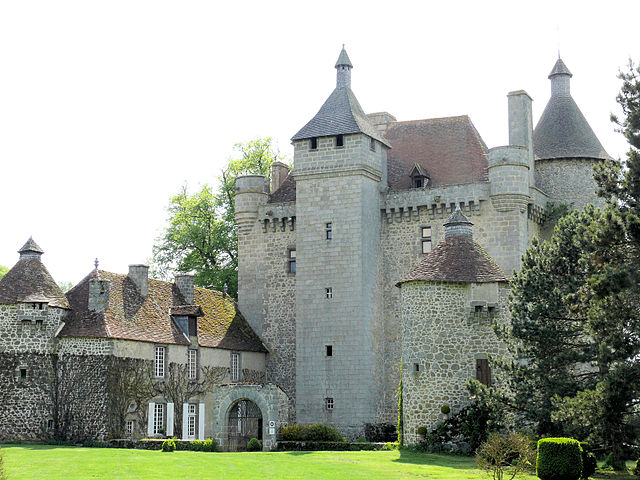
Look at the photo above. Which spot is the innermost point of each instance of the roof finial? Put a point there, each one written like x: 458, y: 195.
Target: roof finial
x: 96, y: 263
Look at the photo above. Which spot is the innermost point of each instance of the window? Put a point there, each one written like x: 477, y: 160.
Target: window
x: 416, y: 367
x: 329, y: 292
x: 372, y: 145
x: 417, y: 182
x: 26, y: 327
x: 192, y: 360
x: 159, y: 362
x: 39, y: 325
x: 129, y: 427
x: 483, y: 371
x: 292, y: 261
x: 158, y: 418
x: 191, y: 420
x: 328, y: 230
x: 328, y: 403
x: 477, y: 309
x: 50, y: 424
x: 235, y: 367
x: 425, y: 233
x: 329, y: 350
x: 23, y: 373
x: 339, y: 140
x: 314, y: 143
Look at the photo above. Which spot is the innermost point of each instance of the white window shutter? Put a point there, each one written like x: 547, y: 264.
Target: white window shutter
x: 185, y: 420
x: 169, y: 419
x: 201, y: 422
x: 152, y: 411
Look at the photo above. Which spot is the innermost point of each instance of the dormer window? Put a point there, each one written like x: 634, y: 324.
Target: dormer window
x: 420, y: 178
x: 339, y: 140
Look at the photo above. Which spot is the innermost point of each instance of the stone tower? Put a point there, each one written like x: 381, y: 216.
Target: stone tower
x: 340, y: 170
x: 565, y: 146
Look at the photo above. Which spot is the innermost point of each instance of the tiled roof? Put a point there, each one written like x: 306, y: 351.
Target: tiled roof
x: 132, y: 317
x: 449, y: 148
x: 30, y: 281
x: 31, y: 246
x: 563, y: 132
x: 341, y: 114
x: 457, y: 259
x: 286, y: 192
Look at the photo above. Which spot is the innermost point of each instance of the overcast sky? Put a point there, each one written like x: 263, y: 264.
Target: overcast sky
x: 108, y: 107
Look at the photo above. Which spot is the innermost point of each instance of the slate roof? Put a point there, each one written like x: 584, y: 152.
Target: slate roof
x: 132, y: 317
x: 343, y: 59
x: 563, y: 131
x: 30, y: 281
x: 30, y: 246
x: 457, y: 259
x: 449, y: 148
x: 341, y: 114
x: 286, y: 192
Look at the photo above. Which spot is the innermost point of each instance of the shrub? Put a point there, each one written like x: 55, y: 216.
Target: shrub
x: 559, y: 459
x: 422, y: 430
x: 361, y: 440
x: 445, y: 409
x: 254, y: 445
x: 636, y: 471
x: 210, y: 445
x: 169, y: 445
x: 196, y: 445
x: 390, y: 446
x: 499, y: 453
x: 315, y: 433
x: 589, y: 462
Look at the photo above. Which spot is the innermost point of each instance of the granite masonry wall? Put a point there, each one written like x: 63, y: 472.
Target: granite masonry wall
x: 443, y: 336
x: 568, y: 181
x: 29, y: 327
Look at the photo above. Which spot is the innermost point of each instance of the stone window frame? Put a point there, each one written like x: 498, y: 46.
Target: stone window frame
x: 483, y: 370
x: 328, y: 350
x: 313, y: 143
x: 339, y: 141
x: 193, y: 369
x: 328, y: 231
x: 328, y: 293
x: 329, y: 403
x: 235, y: 367
x: 49, y: 424
x: 291, y: 260
x: 159, y: 369
x: 26, y: 326
x: 39, y: 326
x: 22, y: 373
x: 426, y: 241
x: 372, y: 144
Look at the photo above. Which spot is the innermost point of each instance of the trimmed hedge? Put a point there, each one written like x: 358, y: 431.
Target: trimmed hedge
x: 330, y: 446
x: 559, y: 459
x: 169, y: 445
x: 209, y: 445
x: 254, y: 445
x: 311, y: 433
x: 589, y: 462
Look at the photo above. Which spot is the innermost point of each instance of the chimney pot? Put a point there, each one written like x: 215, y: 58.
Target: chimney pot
x: 279, y: 172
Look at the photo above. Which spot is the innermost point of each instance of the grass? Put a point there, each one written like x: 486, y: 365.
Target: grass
x: 71, y: 463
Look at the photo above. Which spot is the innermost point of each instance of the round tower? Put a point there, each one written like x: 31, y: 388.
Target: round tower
x: 509, y: 178
x: 566, y: 148
x: 251, y: 192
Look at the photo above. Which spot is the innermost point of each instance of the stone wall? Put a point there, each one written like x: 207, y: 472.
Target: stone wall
x: 443, y: 337
x: 84, y: 346
x: 568, y: 181
x: 29, y: 327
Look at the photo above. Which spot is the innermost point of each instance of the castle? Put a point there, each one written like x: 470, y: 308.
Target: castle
x: 384, y: 254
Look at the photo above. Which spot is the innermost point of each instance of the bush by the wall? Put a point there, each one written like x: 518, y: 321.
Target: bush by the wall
x: 210, y: 445
x: 589, y: 462
x: 311, y: 433
x: 559, y: 459
x: 169, y: 445
x: 422, y: 430
x: 254, y: 445
x: 501, y: 453
x: 380, y: 432
x: 636, y: 471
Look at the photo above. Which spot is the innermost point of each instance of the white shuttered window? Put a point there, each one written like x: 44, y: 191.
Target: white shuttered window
x: 158, y: 418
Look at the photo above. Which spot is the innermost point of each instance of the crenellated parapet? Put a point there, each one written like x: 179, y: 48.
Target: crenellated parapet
x: 277, y: 217
x: 439, y: 202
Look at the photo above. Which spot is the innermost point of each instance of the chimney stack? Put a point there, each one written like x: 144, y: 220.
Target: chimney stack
x: 140, y: 275
x: 184, y: 282
x: 521, y: 126
x: 98, y: 294
x: 279, y: 172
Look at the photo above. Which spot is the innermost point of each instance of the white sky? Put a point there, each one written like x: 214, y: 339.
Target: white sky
x: 108, y: 107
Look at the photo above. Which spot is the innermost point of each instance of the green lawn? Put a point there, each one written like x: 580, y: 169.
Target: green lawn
x: 74, y: 463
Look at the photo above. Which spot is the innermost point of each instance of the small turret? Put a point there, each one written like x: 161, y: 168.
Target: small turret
x: 30, y: 250
x: 560, y: 78
x: 251, y: 192
x: 344, y: 66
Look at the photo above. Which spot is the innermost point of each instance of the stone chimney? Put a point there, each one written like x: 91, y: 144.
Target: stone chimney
x: 140, y: 275
x: 98, y: 294
x: 279, y: 172
x: 521, y: 126
x: 184, y: 282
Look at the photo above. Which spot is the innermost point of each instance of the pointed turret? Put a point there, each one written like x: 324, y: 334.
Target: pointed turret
x: 343, y: 66
x: 31, y: 250
x: 563, y: 131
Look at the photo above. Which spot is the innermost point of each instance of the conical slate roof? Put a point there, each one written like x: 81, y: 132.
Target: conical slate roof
x: 341, y: 114
x: 343, y: 59
x: 30, y: 281
x: 563, y: 131
x: 31, y: 246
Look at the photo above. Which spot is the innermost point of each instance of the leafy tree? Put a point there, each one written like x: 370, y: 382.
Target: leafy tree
x: 201, y: 234
x: 3, y: 271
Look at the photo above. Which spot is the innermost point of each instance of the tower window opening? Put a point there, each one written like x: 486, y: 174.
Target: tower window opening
x: 416, y: 367
x: 329, y: 350
x: 328, y: 403
x: 425, y: 234
x: 328, y: 292
x: 292, y: 261
x: 23, y: 374
x: 339, y: 140
x: 314, y: 143
x: 372, y: 145
x: 329, y: 231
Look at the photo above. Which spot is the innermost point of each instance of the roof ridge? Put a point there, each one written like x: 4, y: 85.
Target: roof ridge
x: 400, y: 122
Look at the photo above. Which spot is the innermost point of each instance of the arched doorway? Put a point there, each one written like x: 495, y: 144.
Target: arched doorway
x: 245, y: 423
